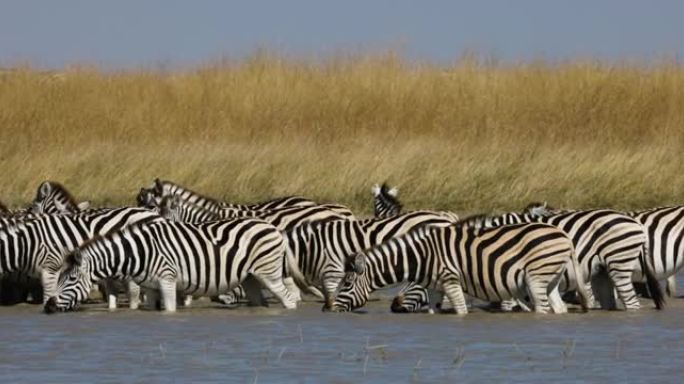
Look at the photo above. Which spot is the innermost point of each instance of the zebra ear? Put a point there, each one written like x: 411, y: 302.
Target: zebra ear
x: 82, y: 206
x: 375, y: 190
x: 393, y: 192
x: 44, y: 189
x: 158, y: 187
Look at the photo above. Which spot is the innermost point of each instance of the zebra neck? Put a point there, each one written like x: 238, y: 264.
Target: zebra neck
x: 108, y: 261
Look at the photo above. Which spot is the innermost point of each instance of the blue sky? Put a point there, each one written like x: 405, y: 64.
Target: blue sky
x: 128, y: 33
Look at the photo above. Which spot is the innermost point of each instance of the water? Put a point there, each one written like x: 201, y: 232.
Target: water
x: 263, y: 345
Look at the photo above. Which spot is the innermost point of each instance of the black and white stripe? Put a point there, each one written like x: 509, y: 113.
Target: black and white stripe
x: 605, y: 240
x: 149, y: 197
x: 36, y: 247
x: 321, y: 249
x: 195, y: 259
x: 53, y: 198
x: 492, y: 264
x: 385, y: 202
x: 178, y: 209
x: 665, y: 229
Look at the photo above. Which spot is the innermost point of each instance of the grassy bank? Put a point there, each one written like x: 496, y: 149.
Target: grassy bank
x: 467, y: 137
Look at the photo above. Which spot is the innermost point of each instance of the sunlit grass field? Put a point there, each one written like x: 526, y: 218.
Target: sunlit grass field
x: 469, y: 137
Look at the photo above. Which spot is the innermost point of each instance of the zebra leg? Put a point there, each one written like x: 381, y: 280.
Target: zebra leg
x: 187, y: 301
x: 110, y: 291
x: 602, y: 287
x: 167, y: 288
x: 49, y: 281
x: 538, y: 287
x: 331, y: 283
x: 557, y: 303
x: 293, y: 288
x: 276, y: 286
x: 133, y: 294
x: 454, y: 292
x: 152, y: 299
x: 232, y: 298
x: 622, y: 279
x: 252, y: 289
x: 671, y: 287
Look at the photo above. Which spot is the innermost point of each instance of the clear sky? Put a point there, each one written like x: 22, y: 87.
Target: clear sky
x: 130, y: 33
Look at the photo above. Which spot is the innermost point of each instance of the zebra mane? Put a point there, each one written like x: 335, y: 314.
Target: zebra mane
x: 477, y: 221
x: 55, y: 186
x: 158, y: 189
x: 537, y: 209
x: 3, y: 209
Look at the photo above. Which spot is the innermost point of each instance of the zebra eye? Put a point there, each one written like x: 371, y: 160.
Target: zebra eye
x: 349, y: 278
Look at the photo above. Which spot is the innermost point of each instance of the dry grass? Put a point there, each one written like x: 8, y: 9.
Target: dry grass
x: 469, y: 137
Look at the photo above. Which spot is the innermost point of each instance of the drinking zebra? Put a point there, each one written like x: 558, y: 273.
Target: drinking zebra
x: 492, y: 264
x: 665, y: 230
x: 321, y: 249
x: 412, y: 297
x: 36, y: 247
x: 150, y: 197
x: 195, y: 259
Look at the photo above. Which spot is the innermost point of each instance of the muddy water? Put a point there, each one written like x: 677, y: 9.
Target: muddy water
x: 213, y: 344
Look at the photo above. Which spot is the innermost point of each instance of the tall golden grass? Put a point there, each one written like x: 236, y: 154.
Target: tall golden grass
x: 473, y: 136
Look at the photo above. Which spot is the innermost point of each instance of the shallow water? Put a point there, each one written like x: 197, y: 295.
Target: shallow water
x: 213, y: 344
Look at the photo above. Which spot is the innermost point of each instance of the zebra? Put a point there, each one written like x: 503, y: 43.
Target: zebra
x: 149, y: 197
x: 385, y: 202
x: 4, y: 212
x: 176, y: 209
x: 284, y: 218
x: 321, y: 249
x: 492, y: 264
x: 606, y: 241
x: 196, y: 259
x: 53, y: 197
x: 36, y: 247
x: 411, y: 297
x: 665, y: 229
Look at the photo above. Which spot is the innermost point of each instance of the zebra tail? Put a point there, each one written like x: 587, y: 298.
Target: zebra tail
x: 651, y: 280
x: 581, y: 287
x: 298, y: 276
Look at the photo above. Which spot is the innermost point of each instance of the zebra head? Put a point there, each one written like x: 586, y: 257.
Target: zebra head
x: 385, y: 202
x: 73, y: 284
x: 170, y: 208
x: 147, y: 198
x: 53, y: 198
x: 356, y: 287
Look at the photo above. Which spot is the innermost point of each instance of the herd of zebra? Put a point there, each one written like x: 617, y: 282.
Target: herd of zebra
x: 177, y: 245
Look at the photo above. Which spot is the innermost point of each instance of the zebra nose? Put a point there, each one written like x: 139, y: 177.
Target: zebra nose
x: 50, y: 306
